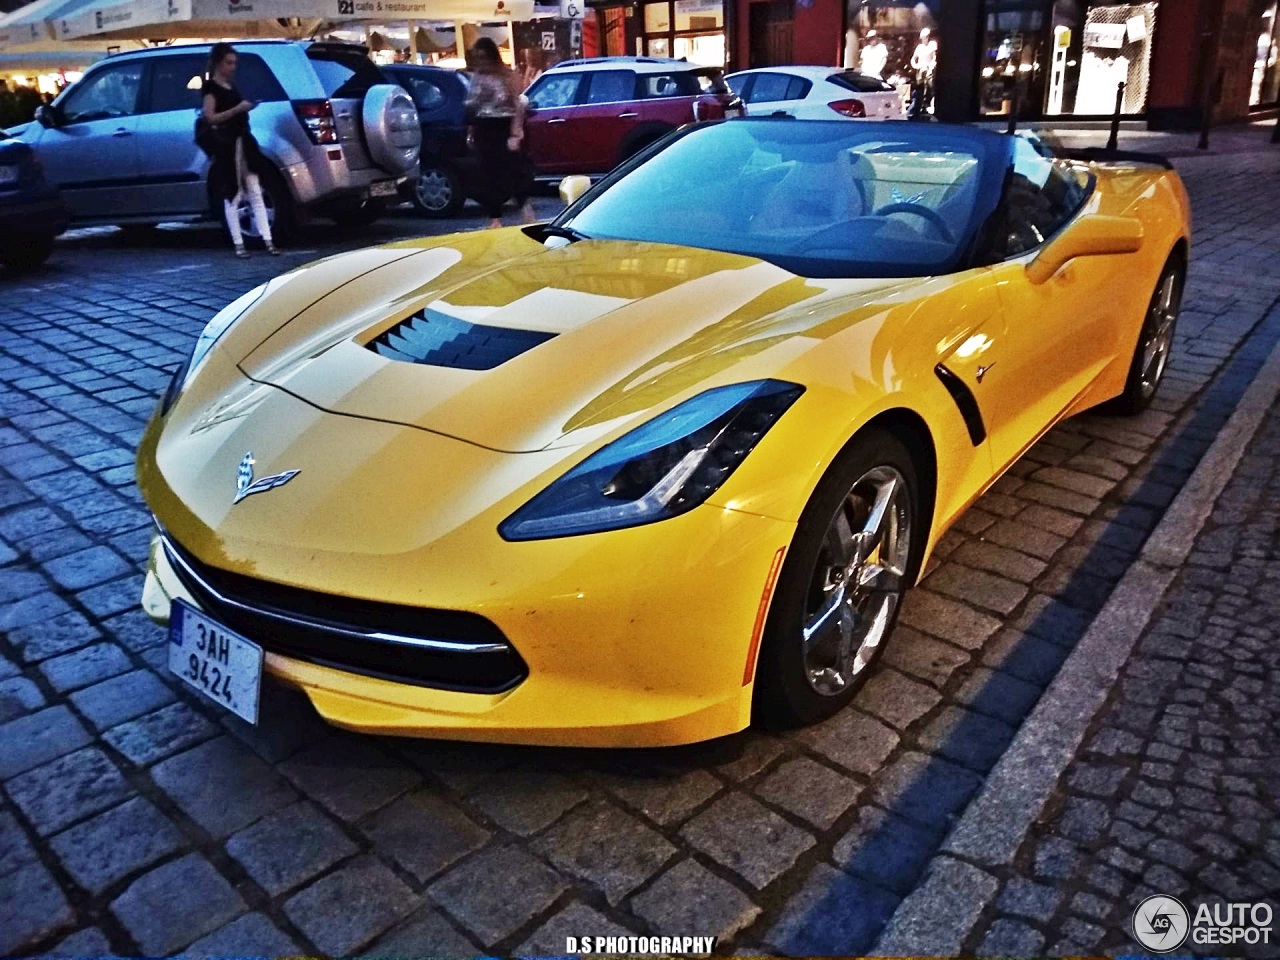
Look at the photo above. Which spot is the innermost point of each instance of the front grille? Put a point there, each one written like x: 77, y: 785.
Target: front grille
x: 438, y: 340
x: 449, y: 649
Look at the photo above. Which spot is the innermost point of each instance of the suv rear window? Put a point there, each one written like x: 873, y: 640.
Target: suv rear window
x: 859, y: 82
x: 344, y: 74
x: 255, y: 80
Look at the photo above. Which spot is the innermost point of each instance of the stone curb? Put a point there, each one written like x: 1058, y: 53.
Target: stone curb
x: 937, y: 917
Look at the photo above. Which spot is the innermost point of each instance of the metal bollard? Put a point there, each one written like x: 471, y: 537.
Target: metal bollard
x: 1113, y: 141
x: 1211, y: 98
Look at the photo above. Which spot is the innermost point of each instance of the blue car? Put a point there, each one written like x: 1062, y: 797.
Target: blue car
x: 446, y: 166
x: 32, y: 211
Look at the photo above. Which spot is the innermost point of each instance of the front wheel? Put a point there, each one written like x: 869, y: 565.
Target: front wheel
x: 358, y: 215
x: 1155, y: 341
x: 856, y: 551
x: 438, y: 191
x: 26, y: 254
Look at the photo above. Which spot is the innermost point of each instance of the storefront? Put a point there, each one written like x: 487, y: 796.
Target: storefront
x: 1264, y: 86
x: 1065, y: 57
x: 897, y: 41
x: 692, y: 30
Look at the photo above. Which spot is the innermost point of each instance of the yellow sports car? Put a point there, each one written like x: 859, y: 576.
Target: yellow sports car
x: 662, y: 466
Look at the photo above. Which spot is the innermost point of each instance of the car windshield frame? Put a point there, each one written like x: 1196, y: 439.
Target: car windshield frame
x: 990, y: 150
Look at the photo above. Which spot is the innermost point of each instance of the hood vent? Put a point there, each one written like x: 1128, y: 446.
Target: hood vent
x: 439, y: 340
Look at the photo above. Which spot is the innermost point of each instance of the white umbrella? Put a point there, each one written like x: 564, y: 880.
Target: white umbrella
x: 157, y: 19
x: 28, y: 24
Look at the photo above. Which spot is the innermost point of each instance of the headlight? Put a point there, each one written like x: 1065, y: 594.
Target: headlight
x: 214, y: 329
x: 659, y: 470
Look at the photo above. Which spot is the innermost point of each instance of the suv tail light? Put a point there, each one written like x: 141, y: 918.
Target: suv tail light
x: 317, y: 119
x: 849, y: 108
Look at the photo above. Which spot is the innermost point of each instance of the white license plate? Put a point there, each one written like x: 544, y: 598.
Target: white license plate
x: 732, y: 112
x: 217, y: 662
x: 8, y: 173
x: 383, y: 188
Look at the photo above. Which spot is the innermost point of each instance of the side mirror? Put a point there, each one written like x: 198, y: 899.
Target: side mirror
x: 47, y: 115
x: 571, y: 188
x: 1090, y: 236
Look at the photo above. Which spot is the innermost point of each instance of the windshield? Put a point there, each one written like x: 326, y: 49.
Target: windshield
x: 343, y: 74
x: 821, y: 199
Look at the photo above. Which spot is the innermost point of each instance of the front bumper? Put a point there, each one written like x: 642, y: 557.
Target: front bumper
x: 653, y: 654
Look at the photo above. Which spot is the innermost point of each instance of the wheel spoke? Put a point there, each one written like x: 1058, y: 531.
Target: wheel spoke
x: 824, y: 618
x: 857, y: 580
x: 870, y: 537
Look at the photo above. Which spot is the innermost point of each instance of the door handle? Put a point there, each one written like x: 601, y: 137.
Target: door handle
x: 122, y: 132
x: 555, y: 121
x: 627, y: 115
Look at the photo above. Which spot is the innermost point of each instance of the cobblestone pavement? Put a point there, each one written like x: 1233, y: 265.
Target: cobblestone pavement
x: 134, y: 818
x: 1175, y: 789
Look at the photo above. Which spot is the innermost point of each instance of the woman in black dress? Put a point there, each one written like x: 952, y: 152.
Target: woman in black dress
x: 237, y: 162
x: 495, y: 110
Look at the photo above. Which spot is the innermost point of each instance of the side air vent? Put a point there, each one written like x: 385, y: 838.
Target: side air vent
x: 433, y: 338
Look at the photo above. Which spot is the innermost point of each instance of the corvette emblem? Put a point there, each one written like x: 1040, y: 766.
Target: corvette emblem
x: 246, y: 486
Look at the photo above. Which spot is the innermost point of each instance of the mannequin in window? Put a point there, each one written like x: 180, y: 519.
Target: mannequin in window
x: 924, y: 61
x: 874, y: 56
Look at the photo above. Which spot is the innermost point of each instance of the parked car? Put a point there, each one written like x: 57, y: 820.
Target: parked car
x: 587, y: 116
x: 817, y: 93
x: 119, y: 143
x: 660, y: 467
x: 445, y: 165
x: 32, y: 212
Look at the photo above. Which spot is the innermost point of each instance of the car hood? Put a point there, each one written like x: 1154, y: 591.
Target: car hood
x: 530, y: 347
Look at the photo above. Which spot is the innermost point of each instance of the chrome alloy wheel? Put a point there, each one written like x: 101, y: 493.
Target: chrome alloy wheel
x: 857, y: 581
x: 435, y: 190
x: 1158, y: 332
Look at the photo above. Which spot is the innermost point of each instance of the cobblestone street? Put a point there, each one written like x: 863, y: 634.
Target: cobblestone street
x: 1175, y: 790
x: 137, y: 819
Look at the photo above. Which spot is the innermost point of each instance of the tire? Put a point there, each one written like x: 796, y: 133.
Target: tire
x: 282, y: 213
x: 138, y: 234
x: 358, y: 215
x: 1155, y: 341
x: 27, y: 254
x: 438, y: 191
x: 799, y: 683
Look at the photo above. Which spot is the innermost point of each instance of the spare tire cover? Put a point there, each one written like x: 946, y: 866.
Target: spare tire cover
x: 391, y: 128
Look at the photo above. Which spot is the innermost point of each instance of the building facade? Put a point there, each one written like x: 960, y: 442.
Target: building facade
x: 977, y: 59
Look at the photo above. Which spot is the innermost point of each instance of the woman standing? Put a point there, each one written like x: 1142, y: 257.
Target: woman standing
x: 237, y: 162
x: 496, y: 109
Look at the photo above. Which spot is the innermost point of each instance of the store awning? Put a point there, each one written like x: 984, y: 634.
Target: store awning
x: 164, y: 19
x: 30, y: 24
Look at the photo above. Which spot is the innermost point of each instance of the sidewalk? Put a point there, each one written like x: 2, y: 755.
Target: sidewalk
x: 1175, y: 790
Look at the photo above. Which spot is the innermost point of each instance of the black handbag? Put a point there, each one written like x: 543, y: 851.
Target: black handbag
x: 210, y: 138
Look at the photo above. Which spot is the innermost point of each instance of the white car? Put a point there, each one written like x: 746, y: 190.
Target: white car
x: 816, y: 93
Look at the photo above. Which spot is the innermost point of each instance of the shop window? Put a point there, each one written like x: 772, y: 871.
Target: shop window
x: 897, y: 43
x: 1264, y: 89
x: 1091, y: 55
x: 1011, y: 57
x: 691, y: 30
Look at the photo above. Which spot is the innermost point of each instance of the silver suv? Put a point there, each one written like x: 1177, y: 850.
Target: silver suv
x: 120, y: 142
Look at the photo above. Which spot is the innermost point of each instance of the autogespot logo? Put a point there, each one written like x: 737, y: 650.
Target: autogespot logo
x: 1160, y: 923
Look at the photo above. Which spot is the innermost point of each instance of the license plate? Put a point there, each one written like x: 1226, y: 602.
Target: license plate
x: 217, y: 662
x: 383, y: 188
x: 8, y: 173
x: 732, y: 112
